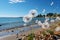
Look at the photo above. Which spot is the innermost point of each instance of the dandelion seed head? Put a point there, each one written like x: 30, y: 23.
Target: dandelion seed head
x: 33, y: 13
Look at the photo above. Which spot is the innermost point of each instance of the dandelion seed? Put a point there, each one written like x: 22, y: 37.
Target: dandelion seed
x: 27, y: 19
x: 33, y: 13
x: 57, y: 29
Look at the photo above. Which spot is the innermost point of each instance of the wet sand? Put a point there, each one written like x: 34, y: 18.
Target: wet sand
x: 20, y: 35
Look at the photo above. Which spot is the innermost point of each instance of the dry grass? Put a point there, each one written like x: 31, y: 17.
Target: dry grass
x: 54, y: 25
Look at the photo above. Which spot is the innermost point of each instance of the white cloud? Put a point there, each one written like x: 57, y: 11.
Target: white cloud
x: 43, y: 11
x: 16, y: 1
x: 52, y: 3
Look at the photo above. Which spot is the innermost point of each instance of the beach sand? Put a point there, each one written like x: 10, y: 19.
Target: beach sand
x: 20, y: 35
x: 9, y: 37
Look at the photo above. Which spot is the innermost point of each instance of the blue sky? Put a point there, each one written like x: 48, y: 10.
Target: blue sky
x: 19, y: 8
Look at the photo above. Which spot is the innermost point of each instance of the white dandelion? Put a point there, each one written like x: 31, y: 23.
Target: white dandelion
x: 25, y: 24
x: 36, y: 21
x: 46, y: 24
x: 27, y: 19
x: 52, y: 21
x: 57, y: 18
x: 57, y: 29
x: 43, y: 11
x: 51, y: 3
x: 39, y: 23
x: 46, y: 19
x: 33, y: 13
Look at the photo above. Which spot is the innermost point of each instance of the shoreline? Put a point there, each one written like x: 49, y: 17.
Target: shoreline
x: 20, y: 35
x: 19, y: 29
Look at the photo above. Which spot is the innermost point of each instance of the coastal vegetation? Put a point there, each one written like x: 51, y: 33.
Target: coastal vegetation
x: 46, y: 34
x: 49, y: 15
x: 31, y: 36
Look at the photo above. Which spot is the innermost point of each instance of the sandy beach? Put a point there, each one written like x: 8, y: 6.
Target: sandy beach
x: 20, y: 35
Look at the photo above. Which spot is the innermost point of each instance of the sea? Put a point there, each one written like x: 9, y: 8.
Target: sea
x: 12, y: 22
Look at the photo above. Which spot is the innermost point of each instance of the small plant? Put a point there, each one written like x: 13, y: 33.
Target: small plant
x: 50, y: 31
x: 31, y: 36
x: 44, y: 33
